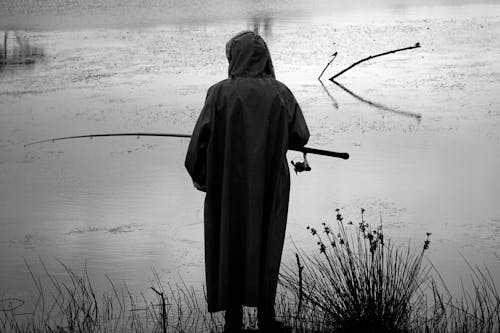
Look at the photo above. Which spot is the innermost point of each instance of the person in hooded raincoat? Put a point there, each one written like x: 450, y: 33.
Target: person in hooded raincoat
x: 237, y: 155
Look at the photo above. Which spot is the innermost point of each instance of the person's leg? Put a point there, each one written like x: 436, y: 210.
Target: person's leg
x: 233, y: 318
x: 269, y: 324
x: 267, y: 295
x: 265, y: 312
x: 267, y: 316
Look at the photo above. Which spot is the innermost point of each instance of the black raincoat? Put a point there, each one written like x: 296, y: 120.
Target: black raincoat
x: 237, y: 156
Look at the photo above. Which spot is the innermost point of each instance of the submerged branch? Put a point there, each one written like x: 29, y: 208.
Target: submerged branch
x: 417, y: 45
x: 334, y: 55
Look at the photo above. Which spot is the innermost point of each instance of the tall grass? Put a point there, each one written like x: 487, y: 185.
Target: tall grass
x: 357, y: 281
x: 476, y: 310
x: 74, y: 306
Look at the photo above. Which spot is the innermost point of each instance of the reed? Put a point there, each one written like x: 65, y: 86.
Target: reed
x: 74, y: 306
x: 476, y: 310
x: 357, y: 281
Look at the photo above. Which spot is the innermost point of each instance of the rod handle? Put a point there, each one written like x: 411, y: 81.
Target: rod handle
x: 308, y: 150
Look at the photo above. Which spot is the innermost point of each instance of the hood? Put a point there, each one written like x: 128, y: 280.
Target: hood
x: 248, y: 55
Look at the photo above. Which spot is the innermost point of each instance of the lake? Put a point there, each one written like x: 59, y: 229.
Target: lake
x: 422, y: 128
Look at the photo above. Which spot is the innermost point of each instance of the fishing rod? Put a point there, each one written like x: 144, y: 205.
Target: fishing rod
x: 305, y: 150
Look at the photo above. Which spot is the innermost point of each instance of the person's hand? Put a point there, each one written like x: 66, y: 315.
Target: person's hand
x: 200, y: 187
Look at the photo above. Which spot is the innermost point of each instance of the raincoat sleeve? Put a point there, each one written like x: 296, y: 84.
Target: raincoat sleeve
x: 298, y: 133
x: 196, y: 157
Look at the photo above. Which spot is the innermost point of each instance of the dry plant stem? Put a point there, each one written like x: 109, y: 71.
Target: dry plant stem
x: 334, y: 55
x: 164, y: 312
x: 300, y: 267
x: 417, y: 45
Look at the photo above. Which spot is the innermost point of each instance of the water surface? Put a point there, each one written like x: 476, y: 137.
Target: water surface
x: 422, y: 128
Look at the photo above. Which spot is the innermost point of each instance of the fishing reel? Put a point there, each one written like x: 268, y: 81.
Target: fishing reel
x: 301, y: 166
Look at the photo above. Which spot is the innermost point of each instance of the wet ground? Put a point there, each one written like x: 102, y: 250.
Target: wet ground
x: 422, y: 127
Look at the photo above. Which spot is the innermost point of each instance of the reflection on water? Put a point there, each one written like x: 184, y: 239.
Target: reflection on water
x: 15, y: 14
x: 17, y: 50
x: 334, y: 102
x: 262, y: 25
x: 379, y: 106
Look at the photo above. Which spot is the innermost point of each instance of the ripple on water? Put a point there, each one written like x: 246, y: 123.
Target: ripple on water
x: 113, y: 230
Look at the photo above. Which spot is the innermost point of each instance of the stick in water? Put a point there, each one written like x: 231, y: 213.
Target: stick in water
x: 306, y: 150
x: 334, y: 55
x: 371, y: 57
